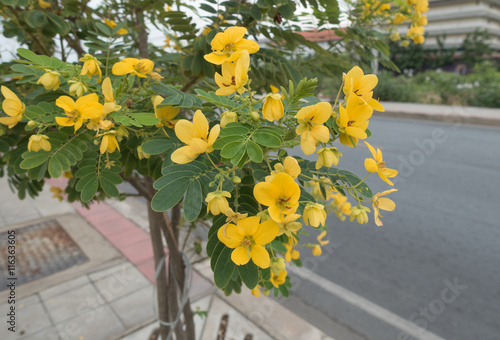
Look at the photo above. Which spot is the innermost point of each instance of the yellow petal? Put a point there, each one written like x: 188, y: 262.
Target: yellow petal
x: 104, y: 144
x: 355, y: 132
x: 200, y: 124
x: 376, y: 105
x: 11, y: 121
x: 386, y: 204
x: 235, y: 34
x: 371, y: 165
x: 265, y: 193
x: 214, y: 58
x: 240, y: 256
x: 266, y: 232
x: 249, y: 225
x: 247, y: 45
x: 214, y: 133
x: 13, y: 107
x: 183, y: 155
x: 372, y: 149
x: 198, y: 145
x: 230, y: 236
x: 107, y: 90
x: 308, y: 144
x: 121, y: 68
x: 260, y: 256
x: 66, y: 103
x: 184, y: 130
x: 8, y: 94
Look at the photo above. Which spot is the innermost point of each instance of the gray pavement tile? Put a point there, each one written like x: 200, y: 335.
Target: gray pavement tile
x: 141, y: 334
x: 32, y: 318
x: 29, y: 300
x: 238, y: 325
x: 72, y: 303
x: 120, y: 283
x: 136, y: 308
x: 199, y: 322
x: 121, y: 267
x: 64, y: 287
x: 49, y: 333
x: 94, y: 324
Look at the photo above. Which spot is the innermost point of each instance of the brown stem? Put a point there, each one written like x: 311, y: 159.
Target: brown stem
x: 190, y: 83
x: 155, y: 222
x: 171, y: 233
x: 143, y: 33
x: 75, y: 44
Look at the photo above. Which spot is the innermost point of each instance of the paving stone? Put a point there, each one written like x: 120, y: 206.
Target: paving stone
x: 32, y: 318
x: 49, y: 333
x: 72, y: 303
x: 29, y: 300
x: 237, y: 326
x: 95, y: 324
x: 120, y: 283
x: 136, y: 308
x: 64, y: 287
x: 142, y: 333
x: 124, y: 266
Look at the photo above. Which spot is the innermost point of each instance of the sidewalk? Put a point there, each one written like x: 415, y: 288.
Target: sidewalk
x: 442, y: 113
x: 111, y: 295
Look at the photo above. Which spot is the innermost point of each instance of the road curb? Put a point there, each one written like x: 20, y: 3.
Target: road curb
x: 442, y: 113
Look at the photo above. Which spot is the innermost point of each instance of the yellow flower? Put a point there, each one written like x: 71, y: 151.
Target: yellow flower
x: 133, y: 66
x: 288, y: 226
x: 382, y: 203
x: 416, y: 33
x: 395, y: 36
x: 234, y: 76
x: 256, y: 291
x: 377, y: 164
x: 113, y: 24
x: 196, y: 136
x: 316, y: 250
x: 58, y: 193
x: 311, y: 128
x: 109, y: 143
x: 273, y: 107
x: 217, y: 202
x: 121, y: 133
x: 90, y: 66
x: 86, y: 107
x: 77, y: 88
x: 399, y: 18
x: 289, y: 166
x: 291, y: 254
x: 233, y: 216
x: 422, y: 6
x: 141, y: 154
x: 314, y: 214
x: 405, y: 43
x: 44, y: 4
x: 50, y: 80
x: 156, y: 76
x: 109, y: 99
x: 361, y: 85
x: 228, y: 117
x: 278, y: 280
x: 39, y: 142
x: 353, y: 120
x: 13, y: 107
x: 327, y: 157
x: 227, y: 45
x: 320, y: 239
x: 165, y: 113
x: 360, y: 214
x: 247, y: 238
x: 280, y: 195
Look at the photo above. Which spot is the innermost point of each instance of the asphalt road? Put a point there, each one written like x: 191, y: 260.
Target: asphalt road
x: 436, y: 260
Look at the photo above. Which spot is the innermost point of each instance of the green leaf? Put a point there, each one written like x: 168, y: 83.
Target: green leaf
x: 221, y: 142
x: 254, y: 152
x: 231, y: 150
x: 266, y: 138
x: 249, y: 274
x: 34, y: 159
x: 193, y: 201
x: 219, y: 247
x: 170, y: 195
x: 58, y: 24
x: 35, y: 18
x: 212, y: 243
x: 157, y: 145
x: 108, y: 187
x: 55, y: 167
x: 355, y: 180
x: 220, y: 101
x: 27, y: 54
x: 89, y: 190
x: 224, y: 268
x: 9, y: 2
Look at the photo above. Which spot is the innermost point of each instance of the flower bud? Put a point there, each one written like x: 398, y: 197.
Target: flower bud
x: 31, y: 123
x: 121, y: 132
x: 228, y: 117
x: 50, y: 80
x: 266, y: 292
x: 255, y: 115
x: 277, y: 265
x: 236, y: 180
x: 77, y: 88
x: 316, y: 250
